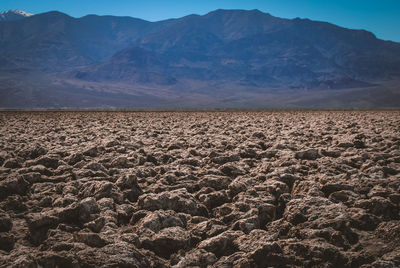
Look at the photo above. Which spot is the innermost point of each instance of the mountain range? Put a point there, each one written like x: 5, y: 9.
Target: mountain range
x: 224, y: 59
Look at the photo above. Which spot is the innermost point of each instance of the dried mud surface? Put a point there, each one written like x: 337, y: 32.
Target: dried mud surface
x: 206, y: 189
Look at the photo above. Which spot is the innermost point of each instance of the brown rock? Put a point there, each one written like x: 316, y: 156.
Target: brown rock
x: 90, y: 239
x: 7, y: 241
x: 12, y: 163
x: 167, y: 241
x: 179, y: 200
x: 196, y: 258
x: 88, y: 207
x: 310, y: 154
x: 5, y: 222
x: 222, y: 244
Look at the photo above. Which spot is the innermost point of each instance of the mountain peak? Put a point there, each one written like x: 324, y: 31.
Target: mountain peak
x: 10, y: 15
x: 236, y: 12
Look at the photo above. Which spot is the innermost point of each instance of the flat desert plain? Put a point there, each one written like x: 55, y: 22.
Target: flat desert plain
x: 200, y: 189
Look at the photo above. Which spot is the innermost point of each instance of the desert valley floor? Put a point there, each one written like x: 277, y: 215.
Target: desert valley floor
x: 200, y: 189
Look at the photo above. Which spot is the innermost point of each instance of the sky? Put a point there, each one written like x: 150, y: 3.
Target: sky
x: 382, y: 17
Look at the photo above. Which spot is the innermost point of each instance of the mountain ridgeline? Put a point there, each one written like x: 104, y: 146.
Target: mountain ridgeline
x: 224, y: 59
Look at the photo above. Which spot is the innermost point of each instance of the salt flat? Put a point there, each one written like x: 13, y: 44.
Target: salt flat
x: 218, y: 189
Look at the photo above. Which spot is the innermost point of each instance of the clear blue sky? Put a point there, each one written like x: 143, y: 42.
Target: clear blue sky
x: 382, y: 17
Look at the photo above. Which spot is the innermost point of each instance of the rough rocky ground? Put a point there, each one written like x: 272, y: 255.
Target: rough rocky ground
x: 207, y: 189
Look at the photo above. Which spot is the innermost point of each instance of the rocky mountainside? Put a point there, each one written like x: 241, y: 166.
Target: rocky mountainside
x: 225, y: 55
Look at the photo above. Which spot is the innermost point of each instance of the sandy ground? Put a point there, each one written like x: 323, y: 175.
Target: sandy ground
x: 200, y: 189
